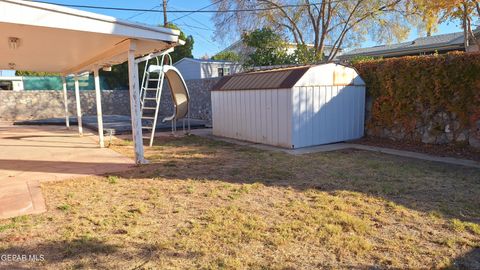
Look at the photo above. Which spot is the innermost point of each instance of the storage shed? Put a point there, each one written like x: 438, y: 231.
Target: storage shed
x: 291, y: 107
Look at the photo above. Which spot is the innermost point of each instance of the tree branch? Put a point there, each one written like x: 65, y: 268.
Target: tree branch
x: 292, y: 22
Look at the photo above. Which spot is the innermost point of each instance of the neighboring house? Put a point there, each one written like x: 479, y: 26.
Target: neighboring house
x: 7, y: 73
x: 420, y: 46
x: 243, y: 50
x: 11, y: 83
x: 202, y: 69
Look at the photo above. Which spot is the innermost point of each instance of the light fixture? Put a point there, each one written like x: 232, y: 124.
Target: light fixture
x: 107, y: 68
x: 13, y: 43
x: 11, y: 66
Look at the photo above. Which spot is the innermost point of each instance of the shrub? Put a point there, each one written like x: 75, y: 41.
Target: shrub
x: 410, y: 90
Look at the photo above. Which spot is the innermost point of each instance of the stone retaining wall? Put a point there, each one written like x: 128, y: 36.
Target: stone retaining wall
x: 434, y: 128
x: 201, y: 103
x: 38, y: 104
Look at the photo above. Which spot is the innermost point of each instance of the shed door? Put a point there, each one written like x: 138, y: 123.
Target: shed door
x: 327, y: 114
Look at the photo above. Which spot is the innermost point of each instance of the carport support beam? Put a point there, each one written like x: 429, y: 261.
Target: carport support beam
x: 65, y: 102
x: 135, y: 105
x: 98, y: 97
x: 79, y: 108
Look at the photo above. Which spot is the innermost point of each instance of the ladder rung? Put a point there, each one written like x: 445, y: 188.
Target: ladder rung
x: 153, y: 79
x: 147, y: 127
x: 148, y: 117
x: 151, y: 89
x: 150, y: 98
x: 149, y: 108
x: 146, y: 138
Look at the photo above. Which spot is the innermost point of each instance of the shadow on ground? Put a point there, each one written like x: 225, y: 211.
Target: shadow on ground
x: 471, y: 260
x: 440, y: 189
x: 56, y: 252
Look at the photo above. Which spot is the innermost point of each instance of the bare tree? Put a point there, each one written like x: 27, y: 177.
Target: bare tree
x: 335, y: 23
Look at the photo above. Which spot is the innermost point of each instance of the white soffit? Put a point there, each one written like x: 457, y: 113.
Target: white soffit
x: 65, y: 40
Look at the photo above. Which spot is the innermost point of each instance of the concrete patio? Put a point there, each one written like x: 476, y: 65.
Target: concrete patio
x: 32, y: 154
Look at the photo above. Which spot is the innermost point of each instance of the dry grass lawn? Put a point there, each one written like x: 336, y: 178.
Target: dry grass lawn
x: 203, y: 204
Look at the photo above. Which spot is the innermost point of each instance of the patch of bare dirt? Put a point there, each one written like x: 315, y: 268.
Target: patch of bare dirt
x: 455, y: 151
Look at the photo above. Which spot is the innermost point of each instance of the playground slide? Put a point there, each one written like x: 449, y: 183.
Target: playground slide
x: 179, y: 91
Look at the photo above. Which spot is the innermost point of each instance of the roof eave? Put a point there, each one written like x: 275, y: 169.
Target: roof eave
x: 110, y: 24
x: 403, y: 51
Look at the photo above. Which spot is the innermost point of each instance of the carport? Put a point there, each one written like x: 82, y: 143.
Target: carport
x: 48, y: 38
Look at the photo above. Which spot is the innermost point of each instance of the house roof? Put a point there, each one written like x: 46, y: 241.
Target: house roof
x: 206, y: 61
x: 266, y: 79
x: 66, y: 40
x: 450, y: 41
x: 239, y: 43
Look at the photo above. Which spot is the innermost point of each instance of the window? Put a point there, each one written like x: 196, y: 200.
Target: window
x: 6, y: 85
x: 223, y: 71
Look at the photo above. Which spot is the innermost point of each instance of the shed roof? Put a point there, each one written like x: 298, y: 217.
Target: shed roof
x: 265, y: 79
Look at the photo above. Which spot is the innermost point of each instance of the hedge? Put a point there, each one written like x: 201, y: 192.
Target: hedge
x: 410, y: 89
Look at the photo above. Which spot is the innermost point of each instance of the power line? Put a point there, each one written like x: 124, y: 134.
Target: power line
x: 198, y: 10
x: 181, y: 11
x: 141, y: 13
x: 202, y: 38
x: 196, y: 27
x: 191, y: 18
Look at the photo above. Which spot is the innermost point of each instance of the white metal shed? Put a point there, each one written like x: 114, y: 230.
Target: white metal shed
x: 291, y: 107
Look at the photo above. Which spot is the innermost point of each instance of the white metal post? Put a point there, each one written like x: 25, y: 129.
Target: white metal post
x: 65, y: 102
x: 79, y: 108
x: 98, y: 96
x: 135, y: 105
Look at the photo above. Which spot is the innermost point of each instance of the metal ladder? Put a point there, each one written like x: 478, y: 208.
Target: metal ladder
x: 150, y: 96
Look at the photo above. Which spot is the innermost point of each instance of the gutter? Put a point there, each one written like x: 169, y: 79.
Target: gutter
x: 402, y: 51
x: 91, y: 15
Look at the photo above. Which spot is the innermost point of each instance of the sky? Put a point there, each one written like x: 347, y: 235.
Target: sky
x: 199, y: 25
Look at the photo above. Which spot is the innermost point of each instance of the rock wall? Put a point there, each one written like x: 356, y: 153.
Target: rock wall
x: 201, y: 103
x: 38, y: 104
x: 433, y: 128
x: 26, y: 105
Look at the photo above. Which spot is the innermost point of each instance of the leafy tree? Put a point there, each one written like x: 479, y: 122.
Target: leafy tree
x: 228, y: 56
x: 182, y: 51
x: 117, y: 78
x: 34, y: 73
x: 333, y: 22
x: 268, y: 48
x: 436, y: 12
x: 306, y: 55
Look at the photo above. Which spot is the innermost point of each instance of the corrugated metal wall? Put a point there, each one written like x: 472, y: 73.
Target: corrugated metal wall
x: 298, y: 117
x: 263, y: 116
x: 327, y: 114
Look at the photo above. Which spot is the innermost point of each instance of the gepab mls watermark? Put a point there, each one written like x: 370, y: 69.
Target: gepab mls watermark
x: 22, y: 258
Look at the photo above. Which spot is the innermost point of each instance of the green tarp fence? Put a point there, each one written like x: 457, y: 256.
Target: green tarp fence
x: 55, y: 83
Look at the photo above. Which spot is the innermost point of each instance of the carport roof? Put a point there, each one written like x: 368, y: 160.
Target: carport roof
x: 65, y: 40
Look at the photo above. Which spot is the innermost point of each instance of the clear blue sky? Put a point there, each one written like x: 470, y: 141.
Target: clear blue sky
x: 198, y: 25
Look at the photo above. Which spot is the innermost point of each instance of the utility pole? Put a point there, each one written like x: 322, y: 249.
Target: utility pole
x: 165, y: 20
